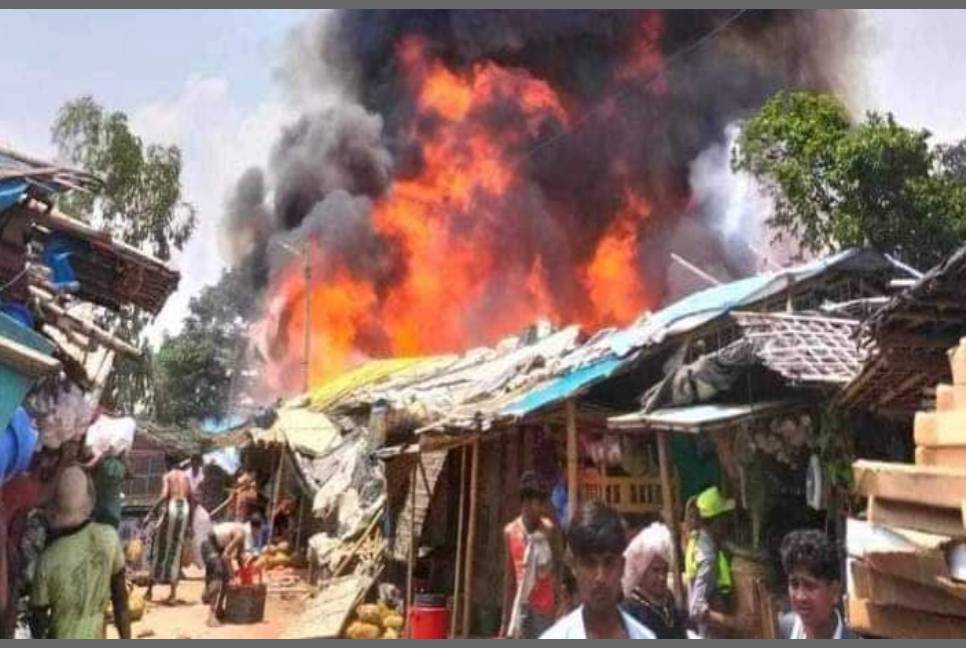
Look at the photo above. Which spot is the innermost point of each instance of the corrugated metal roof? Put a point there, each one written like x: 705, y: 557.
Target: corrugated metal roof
x: 697, y: 418
x: 366, y: 375
x: 564, y: 387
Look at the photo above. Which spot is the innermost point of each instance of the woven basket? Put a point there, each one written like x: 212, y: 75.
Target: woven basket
x: 245, y: 603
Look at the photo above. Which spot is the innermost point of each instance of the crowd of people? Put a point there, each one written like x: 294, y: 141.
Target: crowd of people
x: 70, y: 561
x: 591, y: 581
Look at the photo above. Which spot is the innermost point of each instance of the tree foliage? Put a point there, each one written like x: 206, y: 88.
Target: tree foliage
x: 195, y: 372
x: 141, y: 203
x: 837, y: 183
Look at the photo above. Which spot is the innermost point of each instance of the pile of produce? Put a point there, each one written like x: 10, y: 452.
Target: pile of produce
x: 276, y: 556
x: 376, y: 621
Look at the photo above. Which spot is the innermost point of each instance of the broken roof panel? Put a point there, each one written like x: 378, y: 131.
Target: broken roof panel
x: 687, y: 314
x: 698, y: 418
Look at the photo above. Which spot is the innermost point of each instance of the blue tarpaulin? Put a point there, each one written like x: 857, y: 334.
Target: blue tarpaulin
x: 10, y: 192
x: 563, y: 387
x: 220, y: 425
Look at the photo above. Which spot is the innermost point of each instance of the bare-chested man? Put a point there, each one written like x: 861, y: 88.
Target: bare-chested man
x: 172, y: 529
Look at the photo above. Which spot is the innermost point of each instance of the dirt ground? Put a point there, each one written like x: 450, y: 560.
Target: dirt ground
x: 186, y: 619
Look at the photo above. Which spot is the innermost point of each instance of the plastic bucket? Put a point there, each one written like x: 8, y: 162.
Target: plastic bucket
x: 428, y: 617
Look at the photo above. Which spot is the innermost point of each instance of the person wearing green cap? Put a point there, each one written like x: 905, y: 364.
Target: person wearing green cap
x: 707, y: 567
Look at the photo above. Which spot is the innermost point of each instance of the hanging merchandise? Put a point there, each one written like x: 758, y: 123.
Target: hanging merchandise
x: 62, y: 414
x: 815, y: 491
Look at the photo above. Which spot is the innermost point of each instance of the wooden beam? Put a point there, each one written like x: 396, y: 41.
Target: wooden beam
x: 898, y: 623
x: 906, y: 515
x: 928, y: 485
x: 573, y: 487
x: 64, y: 319
x: 951, y: 457
x: 471, y: 538
x: 940, y: 429
x: 885, y: 589
x: 32, y: 364
x: 670, y: 518
x: 457, y: 594
x: 412, y: 547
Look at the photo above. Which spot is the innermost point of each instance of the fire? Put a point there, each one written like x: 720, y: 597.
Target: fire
x: 454, y: 223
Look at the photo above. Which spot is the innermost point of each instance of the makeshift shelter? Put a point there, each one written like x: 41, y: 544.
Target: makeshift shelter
x: 906, y: 342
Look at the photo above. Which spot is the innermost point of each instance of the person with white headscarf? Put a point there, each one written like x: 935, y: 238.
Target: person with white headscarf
x: 647, y: 598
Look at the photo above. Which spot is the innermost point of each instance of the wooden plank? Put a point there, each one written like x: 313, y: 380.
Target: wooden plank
x: 957, y: 362
x: 326, y: 613
x: 950, y: 456
x: 950, y: 397
x: 928, y: 485
x: 457, y: 598
x: 889, y: 590
x: 410, y: 562
x: 25, y: 360
x: 573, y: 485
x: 939, y: 429
x: 667, y: 487
x: 907, y: 515
x: 898, y: 623
x: 471, y: 538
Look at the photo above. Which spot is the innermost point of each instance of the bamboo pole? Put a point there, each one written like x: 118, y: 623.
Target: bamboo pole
x: 298, y: 528
x: 412, y: 547
x: 471, y: 538
x: 277, y: 489
x: 671, y: 519
x: 573, y: 487
x: 457, y: 597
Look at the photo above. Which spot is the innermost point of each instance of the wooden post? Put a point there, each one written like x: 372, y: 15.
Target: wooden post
x: 298, y: 528
x: 278, y: 486
x: 412, y: 546
x: 471, y: 538
x: 573, y: 487
x: 457, y: 595
x: 667, y: 500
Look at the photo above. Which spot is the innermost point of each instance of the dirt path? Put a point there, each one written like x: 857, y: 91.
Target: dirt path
x: 187, y: 619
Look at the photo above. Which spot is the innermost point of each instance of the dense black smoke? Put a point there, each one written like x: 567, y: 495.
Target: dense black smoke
x: 642, y: 129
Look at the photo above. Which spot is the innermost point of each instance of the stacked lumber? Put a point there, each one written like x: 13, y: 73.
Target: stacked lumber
x: 900, y: 581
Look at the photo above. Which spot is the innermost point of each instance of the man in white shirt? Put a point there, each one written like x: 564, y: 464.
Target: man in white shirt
x: 811, y: 563
x: 597, y: 540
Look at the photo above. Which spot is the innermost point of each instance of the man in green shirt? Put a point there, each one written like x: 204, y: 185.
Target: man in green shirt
x: 81, y: 567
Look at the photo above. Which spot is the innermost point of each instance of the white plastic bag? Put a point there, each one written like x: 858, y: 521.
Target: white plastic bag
x: 111, y: 436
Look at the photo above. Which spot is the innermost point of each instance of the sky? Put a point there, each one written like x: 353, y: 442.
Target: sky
x: 206, y: 81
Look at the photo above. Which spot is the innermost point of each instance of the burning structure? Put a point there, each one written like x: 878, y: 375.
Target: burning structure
x: 456, y: 175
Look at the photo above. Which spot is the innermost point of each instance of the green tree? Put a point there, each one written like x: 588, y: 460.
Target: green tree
x: 141, y: 204
x: 195, y: 373
x: 837, y: 183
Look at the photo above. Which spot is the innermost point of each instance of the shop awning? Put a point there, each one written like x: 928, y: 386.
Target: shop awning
x: 699, y: 418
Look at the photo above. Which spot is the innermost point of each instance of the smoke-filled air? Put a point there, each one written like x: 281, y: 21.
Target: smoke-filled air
x: 456, y: 176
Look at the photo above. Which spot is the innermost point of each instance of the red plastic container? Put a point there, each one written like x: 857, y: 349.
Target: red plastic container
x: 429, y: 618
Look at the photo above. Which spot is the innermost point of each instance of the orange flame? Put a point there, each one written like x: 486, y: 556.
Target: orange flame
x: 444, y: 221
